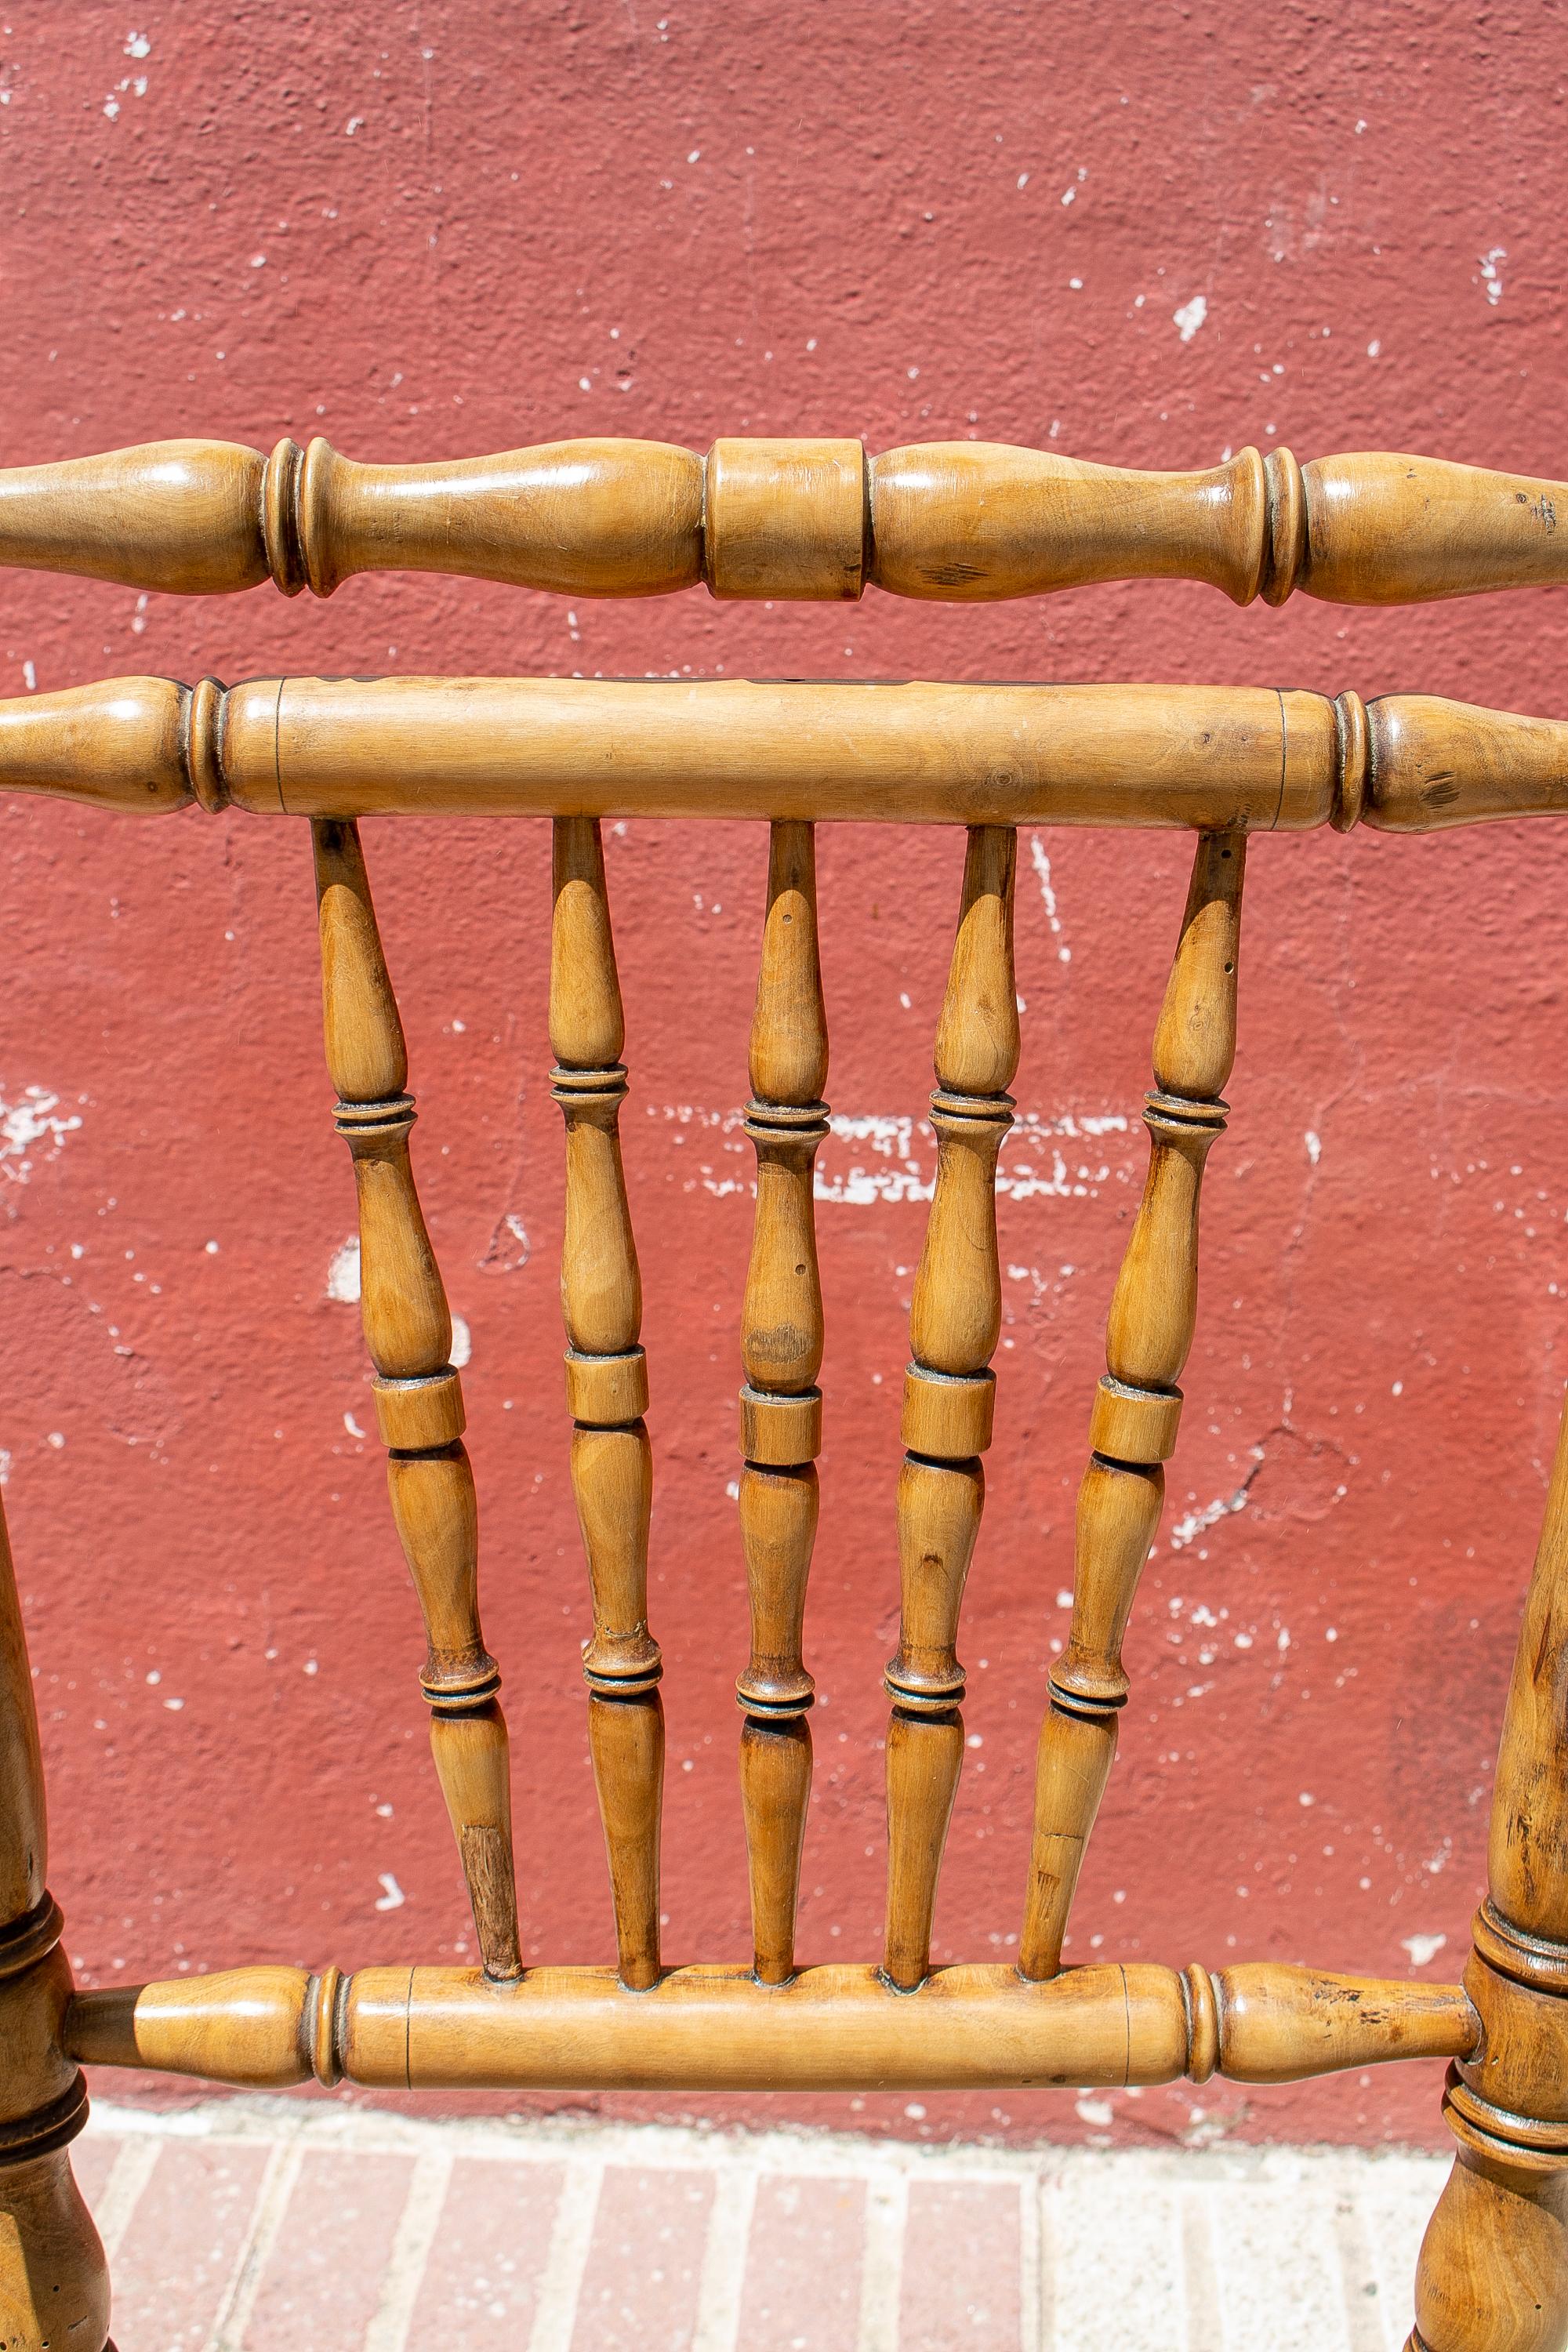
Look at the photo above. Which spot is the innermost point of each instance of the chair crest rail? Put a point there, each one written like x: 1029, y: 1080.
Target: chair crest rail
x: 817, y: 521
x: 1211, y: 758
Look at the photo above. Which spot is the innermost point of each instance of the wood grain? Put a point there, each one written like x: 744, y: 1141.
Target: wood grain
x: 1494, y: 2262
x: 606, y: 1389
x: 781, y: 1337
x: 955, y: 1320
x: 956, y: 521
x: 1133, y: 1427
x: 713, y: 2027
x: 54, y: 2284
x: 1201, y: 759
x: 408, y: 1332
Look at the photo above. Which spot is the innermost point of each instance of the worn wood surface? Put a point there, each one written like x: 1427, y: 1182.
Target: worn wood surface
x: 606, y: 1391
x: 781, y: 1337
x: 1494, y: 2262
x: 715, y: 2027
x: 1134, y: 1426
x: 54, y: 2285
x: 815, y: 521
x: 1200, y: 759
x: 408, y: 1332
x: 956, y: 521
x: 955, y: 1320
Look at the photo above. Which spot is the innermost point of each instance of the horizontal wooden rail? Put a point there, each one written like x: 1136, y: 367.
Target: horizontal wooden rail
x: 1212, y: 758
x: 834, y: 2028
x: 960, y: 521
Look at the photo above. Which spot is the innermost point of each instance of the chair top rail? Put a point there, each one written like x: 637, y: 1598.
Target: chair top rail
x: 1205, y: 759
x: 815, y: 521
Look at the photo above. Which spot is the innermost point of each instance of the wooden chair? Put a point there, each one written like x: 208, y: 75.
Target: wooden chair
x: 811, y: 521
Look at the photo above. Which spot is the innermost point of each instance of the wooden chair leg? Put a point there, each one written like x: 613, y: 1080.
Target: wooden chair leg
x: 1493, y: 2275
x: 54, y: 2283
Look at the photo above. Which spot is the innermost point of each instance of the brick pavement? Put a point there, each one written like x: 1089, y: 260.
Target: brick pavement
x: 255, y: 2226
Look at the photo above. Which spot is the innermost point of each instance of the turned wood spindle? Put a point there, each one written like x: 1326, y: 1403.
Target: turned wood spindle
x: 1137, y: 1406
x: 607, y: 1392
x: 54, y: 2284
x: 418, y: 1394
x: 960, y: 521
x: 955, y: 1320
x: 781, y: 1405
x: 1493, y: 2273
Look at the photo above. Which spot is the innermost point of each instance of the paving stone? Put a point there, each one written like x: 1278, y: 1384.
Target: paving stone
x: 338, y: 2231
x: 173, y: 2267
x: 321, y: 2284
x: 481, y: 2285
x: 644, y: 2262
x: 802, y: 2291
x: 963, y: 2247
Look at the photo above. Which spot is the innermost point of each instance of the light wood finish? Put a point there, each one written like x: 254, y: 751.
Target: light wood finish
x: 606, y: 1386
x: 781, y: 1405
x: 1134, y: 1426
x: 1493, y: 2274
x: 1203, y: 758
x: 923, y: 754
x: 408, y: 1332
x: 955, y: 1320
x: 959, y: 522
x: 812, y: 520
x: 786, y: 519
x: 54, y: 2285
x: 715, y: 2028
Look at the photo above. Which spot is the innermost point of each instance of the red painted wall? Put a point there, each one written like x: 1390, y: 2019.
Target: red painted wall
x: 430, y: 230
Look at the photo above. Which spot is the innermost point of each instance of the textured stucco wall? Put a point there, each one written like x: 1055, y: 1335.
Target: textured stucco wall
x: 1147, y: 234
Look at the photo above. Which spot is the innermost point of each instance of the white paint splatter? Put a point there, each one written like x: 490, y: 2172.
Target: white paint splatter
x: 343, y: 1275
x: 1314, y: 1144
x: 137, y: 45
x: 351, y: 1425
x: 1190, y: 317
x: 1042, y: 865
x: 1491, y: 276
x: 462, y: 1343
x: 29, y: 678
x: 392, y: 1898
x: 1094, y: 2111
x: 899, y: 1160
x: 1186, y: 1529
x: 1423, y: 1949
x: 906, y: 1145
x: 29, y: 1121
